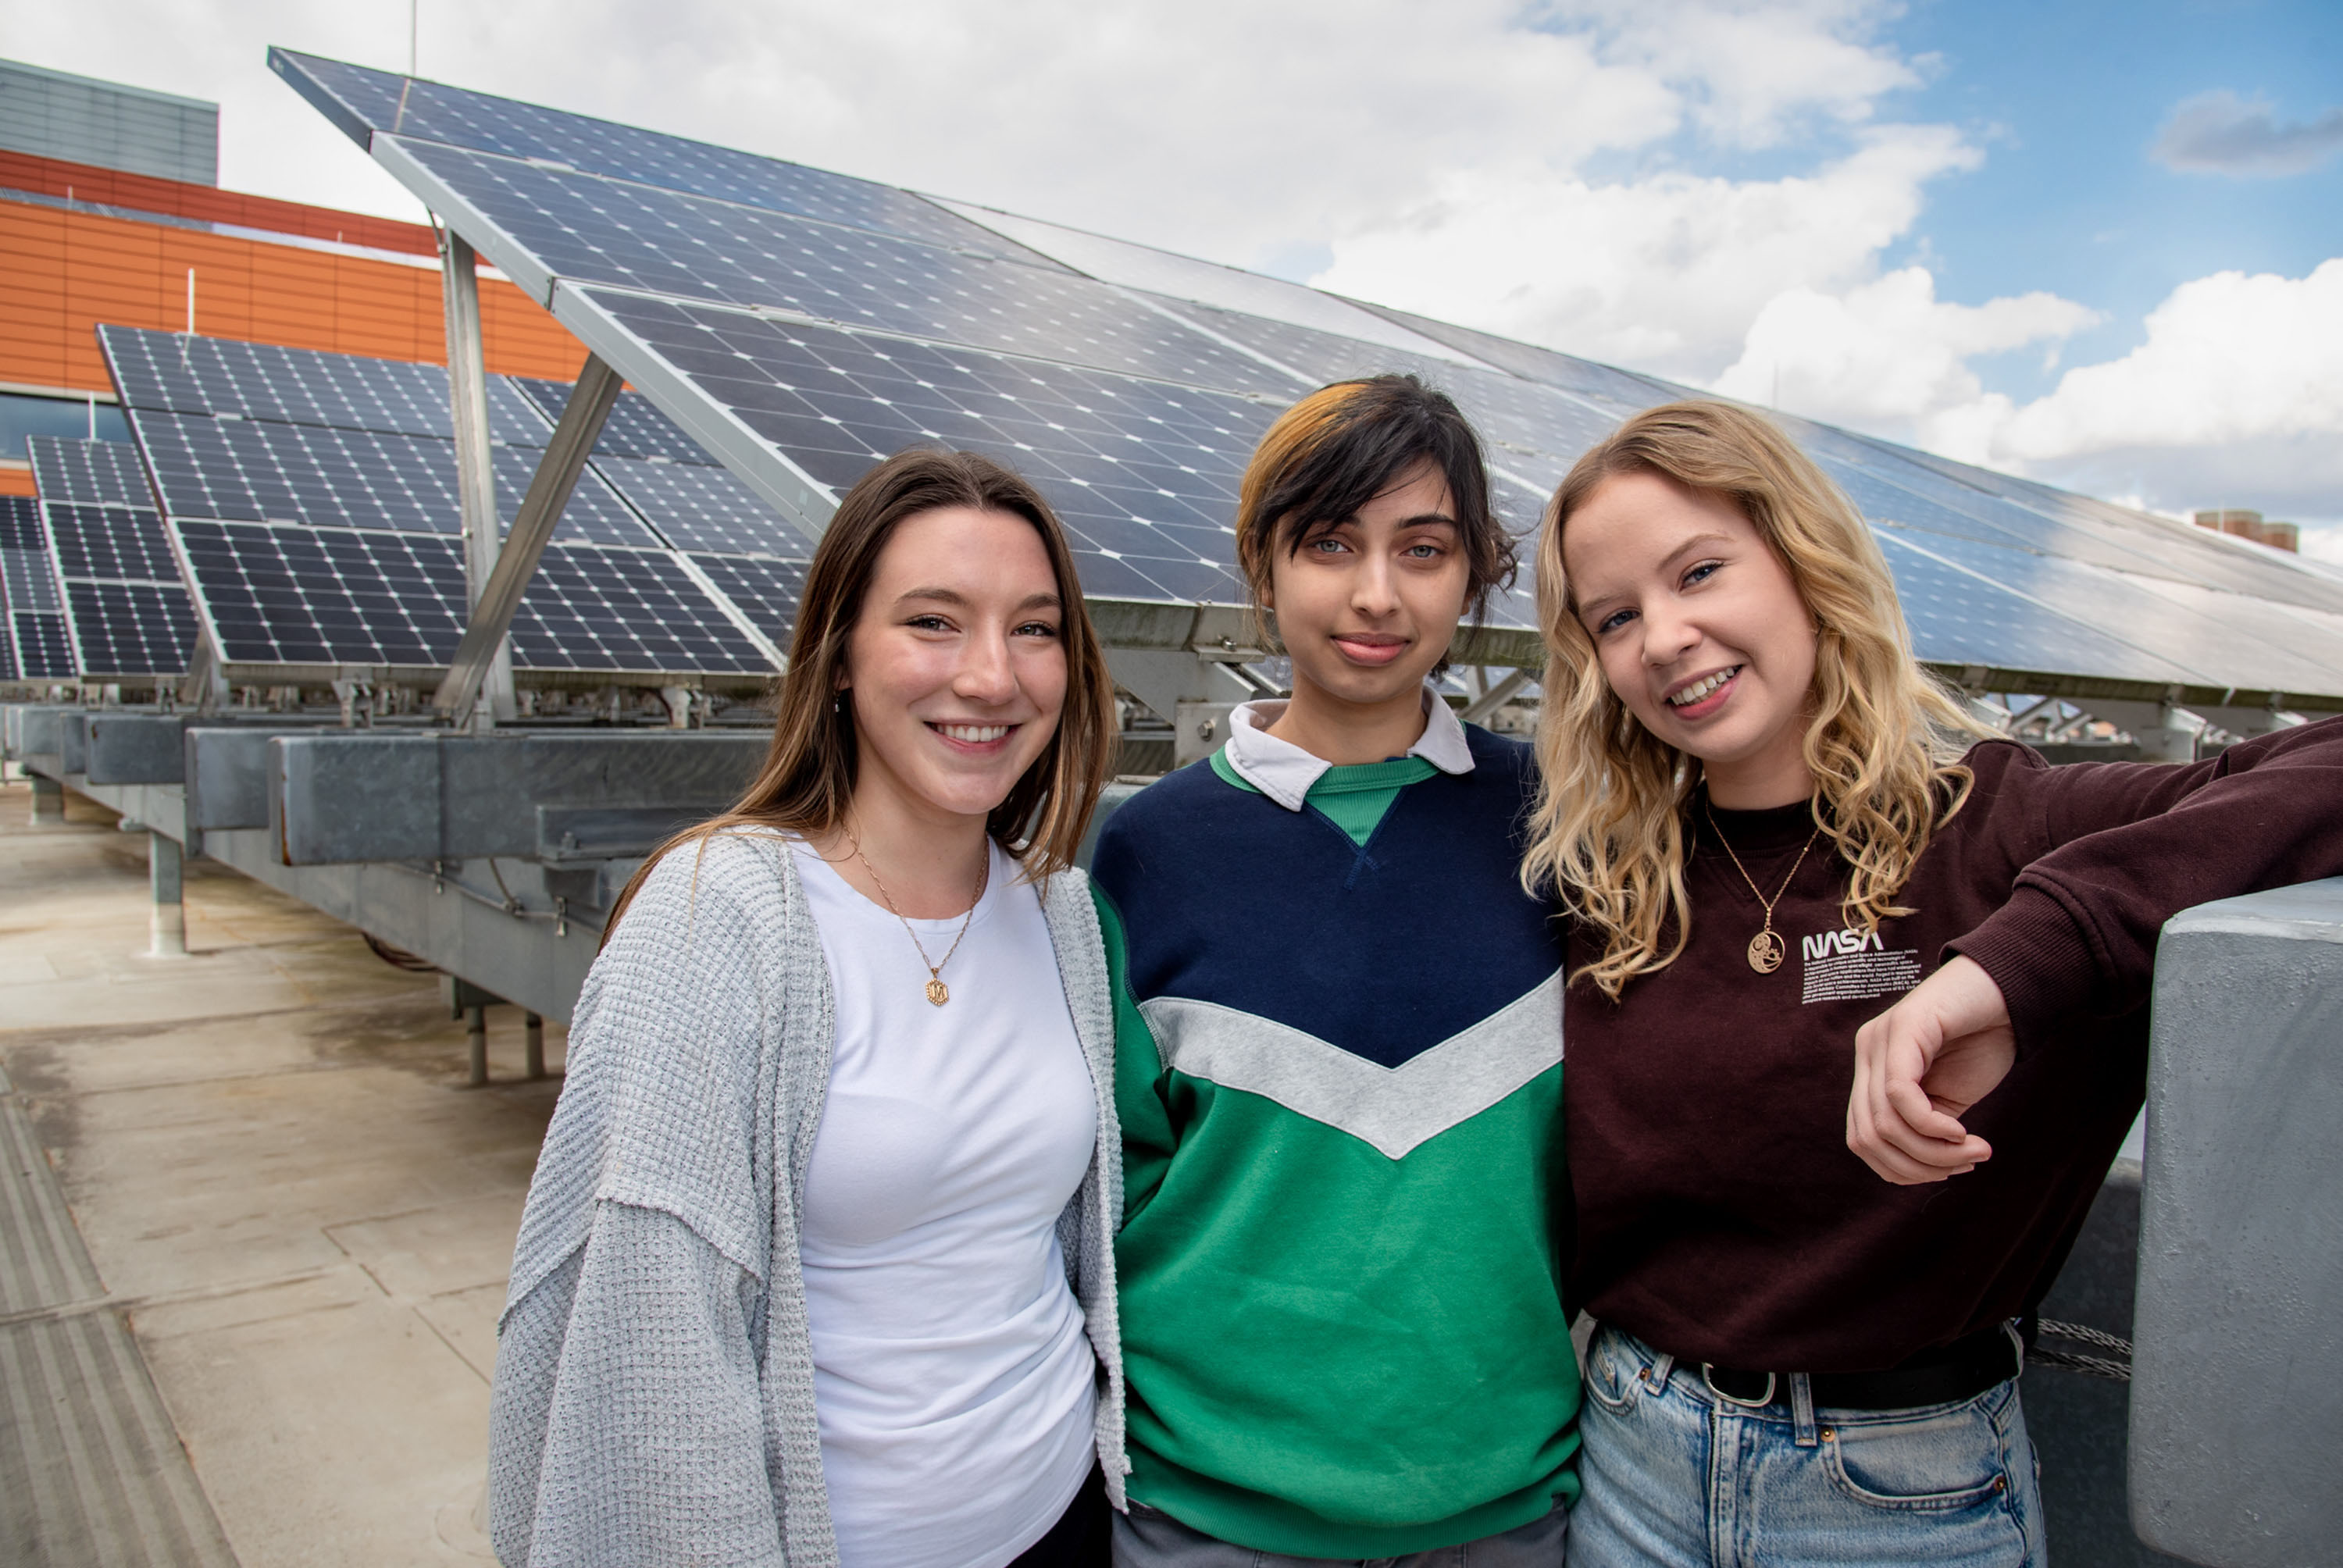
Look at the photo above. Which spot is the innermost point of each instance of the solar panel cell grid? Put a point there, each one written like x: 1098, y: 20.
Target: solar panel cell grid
x: 132, y: 628
x: 1144, y: 475
x: 589, y: 230
x: 113, y: 543
x: 43, y: 651
x: 222, y: 376
x: 589, y: 609
x: 283, y: 594
x: 766, y: 589
x: 433, y: 111
x: 98, y: 473
x: 1957, y: 619
x: 699, y: 508
x: 259, y: 468
x: 634, y: 429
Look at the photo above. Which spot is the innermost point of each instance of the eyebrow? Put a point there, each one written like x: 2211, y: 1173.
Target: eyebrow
x: 954, y: 596
x: 1589, y: 606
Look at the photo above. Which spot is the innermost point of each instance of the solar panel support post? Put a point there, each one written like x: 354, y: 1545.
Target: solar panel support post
x: 476, y: 478
x: 493, y: 607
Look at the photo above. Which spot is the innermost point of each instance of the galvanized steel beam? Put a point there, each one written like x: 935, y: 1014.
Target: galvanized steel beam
x: 494, y: 600
x: 476, y: 474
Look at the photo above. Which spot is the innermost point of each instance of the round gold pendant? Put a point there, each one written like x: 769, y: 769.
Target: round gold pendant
x: 1766, y: 952
x: 938, y: 993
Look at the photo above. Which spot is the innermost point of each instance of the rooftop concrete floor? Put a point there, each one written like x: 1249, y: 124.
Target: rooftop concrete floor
x: 270, y: 1153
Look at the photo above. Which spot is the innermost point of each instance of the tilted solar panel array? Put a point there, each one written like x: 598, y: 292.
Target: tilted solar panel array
x: 32, y: 605
x: 313, y: 502
x: 127, y: 614
x: 799, y: 323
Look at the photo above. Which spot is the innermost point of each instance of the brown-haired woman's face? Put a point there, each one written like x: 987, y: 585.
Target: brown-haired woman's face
x: 1699, y: 628
x: 957, y: 664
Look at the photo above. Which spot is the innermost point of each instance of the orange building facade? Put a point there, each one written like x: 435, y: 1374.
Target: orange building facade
x: 82, y: 246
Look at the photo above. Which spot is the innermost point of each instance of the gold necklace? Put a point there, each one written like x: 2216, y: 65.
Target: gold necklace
x: 1767, y: 951
x: 938, y: 992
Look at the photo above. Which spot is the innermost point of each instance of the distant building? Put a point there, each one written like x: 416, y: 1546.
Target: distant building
x: 52, y: 115
x: 83, y: 242
x: 2246, y: 525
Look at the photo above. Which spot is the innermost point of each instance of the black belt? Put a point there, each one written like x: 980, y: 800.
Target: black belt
x: 1946, y: 1375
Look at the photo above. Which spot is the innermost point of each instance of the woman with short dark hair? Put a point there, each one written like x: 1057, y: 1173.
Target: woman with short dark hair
x: 1340, y: 1054
x: 817, y: 1265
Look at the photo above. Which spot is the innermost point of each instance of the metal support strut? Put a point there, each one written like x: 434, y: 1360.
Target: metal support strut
x: 476, y: 1033
x: 166, y: 924
x: 476, y: 474
x: 533, y: 1043
x: 548, y: 493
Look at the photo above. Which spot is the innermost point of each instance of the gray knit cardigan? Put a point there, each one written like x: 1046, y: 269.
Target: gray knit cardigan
x: 654, y: 1390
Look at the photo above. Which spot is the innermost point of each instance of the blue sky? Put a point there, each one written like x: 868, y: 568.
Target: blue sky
x: 1947, y: 224
x: 2068, y: 101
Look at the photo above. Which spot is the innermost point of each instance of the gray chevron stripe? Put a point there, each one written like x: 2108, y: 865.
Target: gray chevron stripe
x: 1392, y: 1108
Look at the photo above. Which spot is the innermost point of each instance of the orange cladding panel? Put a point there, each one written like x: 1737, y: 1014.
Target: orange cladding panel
x: 62, y: 273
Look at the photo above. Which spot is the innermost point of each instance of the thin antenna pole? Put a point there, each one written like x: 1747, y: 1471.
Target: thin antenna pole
x: 191, y: 302
x: 412, y: 6
x: 93, y: 416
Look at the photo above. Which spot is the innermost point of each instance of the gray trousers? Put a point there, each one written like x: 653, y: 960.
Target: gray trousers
x: 1149, y: 1538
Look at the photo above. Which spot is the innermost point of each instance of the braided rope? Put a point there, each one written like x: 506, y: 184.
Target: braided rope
x: 2072, y: 1361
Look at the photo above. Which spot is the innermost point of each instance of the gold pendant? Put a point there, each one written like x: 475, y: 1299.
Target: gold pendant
x: 1766, y: 952
x: 938, y: 993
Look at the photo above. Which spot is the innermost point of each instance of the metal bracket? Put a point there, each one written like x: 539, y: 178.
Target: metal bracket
x: 1496, y: 697
x: 591, y: 402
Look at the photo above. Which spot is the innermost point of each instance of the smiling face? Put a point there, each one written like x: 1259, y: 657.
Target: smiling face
x: 1368, y: 606
x: 956, y: 665
x: 1700, y: 630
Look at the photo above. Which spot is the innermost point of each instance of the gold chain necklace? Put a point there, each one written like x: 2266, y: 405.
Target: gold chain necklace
x: 938, y: 992
x: 1766, y: 949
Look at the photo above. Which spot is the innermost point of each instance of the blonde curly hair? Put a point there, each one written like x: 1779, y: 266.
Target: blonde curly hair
x: 1609, y: 831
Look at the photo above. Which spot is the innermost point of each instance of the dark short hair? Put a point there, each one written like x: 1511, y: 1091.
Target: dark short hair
x: 1343, y: 445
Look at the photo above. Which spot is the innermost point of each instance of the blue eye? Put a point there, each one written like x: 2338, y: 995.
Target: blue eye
x: 1614, y: 621
x: 1702, y: 572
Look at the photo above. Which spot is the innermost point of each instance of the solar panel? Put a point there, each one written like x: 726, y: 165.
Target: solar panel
x: 126, y: 610
x: 1143, y: 473
x: 796, y: 327
x: 633, y: 428
x: 231, y: 466
x: 589, y: 229
x: 227, y: 378
x: 702, y: 508
x: 764, y: 588
x: 89, y: 473
x: 361, y: 102
x: 281, y: 594
x: 34, y: 626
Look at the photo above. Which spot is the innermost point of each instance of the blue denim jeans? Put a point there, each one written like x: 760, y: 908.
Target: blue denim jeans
x: 1676, y: 1476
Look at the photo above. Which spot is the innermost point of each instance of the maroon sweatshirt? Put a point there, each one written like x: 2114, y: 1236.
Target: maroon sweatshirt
x: 1720, y: 1214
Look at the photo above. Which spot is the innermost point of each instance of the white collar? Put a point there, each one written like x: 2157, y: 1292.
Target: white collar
x: 1285, y: 772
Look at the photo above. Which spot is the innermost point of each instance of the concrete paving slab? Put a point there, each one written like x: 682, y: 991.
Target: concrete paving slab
x: 286, y: 1191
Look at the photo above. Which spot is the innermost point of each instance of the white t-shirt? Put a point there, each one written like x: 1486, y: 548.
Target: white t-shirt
x: 952, y: 1375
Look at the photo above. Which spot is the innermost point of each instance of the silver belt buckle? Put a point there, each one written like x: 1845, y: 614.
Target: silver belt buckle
x: 1760, y: 1402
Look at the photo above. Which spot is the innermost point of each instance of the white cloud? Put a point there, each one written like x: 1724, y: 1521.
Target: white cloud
x: 1886, y: 351
x: 2221, y: 133
x: 1665, y: 273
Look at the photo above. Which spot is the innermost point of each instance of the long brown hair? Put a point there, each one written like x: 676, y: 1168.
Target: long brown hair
x: 1608, y: 833
x: 808, y: 777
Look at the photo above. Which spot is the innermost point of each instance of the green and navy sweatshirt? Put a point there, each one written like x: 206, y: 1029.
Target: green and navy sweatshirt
x: 1339, y: 1073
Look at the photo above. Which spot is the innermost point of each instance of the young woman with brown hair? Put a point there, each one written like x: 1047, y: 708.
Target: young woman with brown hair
x: 1768, y: 824
x: 817, y: 1265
